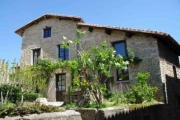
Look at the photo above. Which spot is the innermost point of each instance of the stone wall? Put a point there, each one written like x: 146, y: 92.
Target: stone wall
x: 100, y: 114
x: 144, y: 47
x: 33, y: 38
x: 67, y: 115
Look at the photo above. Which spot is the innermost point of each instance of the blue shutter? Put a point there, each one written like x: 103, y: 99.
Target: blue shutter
x: 61, y: 53
x: 66, y: 53
x: 120, y: 49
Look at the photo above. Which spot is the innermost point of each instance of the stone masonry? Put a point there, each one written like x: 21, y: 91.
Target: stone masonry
x: 145, y: 44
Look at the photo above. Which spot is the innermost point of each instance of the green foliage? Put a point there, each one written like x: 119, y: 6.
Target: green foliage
x: 93, y: 105
x: 139, y: 106
x: 13, y: 92
x: 21, y: 110
x: 141, y: 92
x: 31, y: 96
x: 118, y: 97
x: 70, y: 106
x: 41, y: 74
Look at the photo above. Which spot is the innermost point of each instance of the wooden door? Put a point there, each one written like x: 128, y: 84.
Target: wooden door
x: 60, y: 86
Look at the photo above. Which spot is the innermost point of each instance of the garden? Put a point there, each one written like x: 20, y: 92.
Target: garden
x: 90, y: 75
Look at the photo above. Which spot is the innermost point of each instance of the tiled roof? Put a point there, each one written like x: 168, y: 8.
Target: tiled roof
x: 123, y: 29
x: 165, y: 37
x: 76, y: 18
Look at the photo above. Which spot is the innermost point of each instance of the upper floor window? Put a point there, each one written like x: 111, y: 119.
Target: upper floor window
x: 120, y: 48
x: 36, y: 55
x: 47, y: 32
x: 63, y: 53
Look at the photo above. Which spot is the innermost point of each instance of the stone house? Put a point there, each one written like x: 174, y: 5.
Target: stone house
x: 41, y: 38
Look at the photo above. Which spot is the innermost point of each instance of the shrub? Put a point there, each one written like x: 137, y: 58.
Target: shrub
x: 70, y: 105
x: 141, y: 92
x: 13, y: 92
x: 31, y: 96
x: 118, y: 97
x: 23, y: 110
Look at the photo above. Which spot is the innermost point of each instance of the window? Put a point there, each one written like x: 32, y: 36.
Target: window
x: 120, y: 48
x: 61, y: 82
x: 36, y: 56
x: 63, y: 53
x: 47, y: 32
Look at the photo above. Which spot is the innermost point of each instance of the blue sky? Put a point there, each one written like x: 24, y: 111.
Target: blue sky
x: 161, y: 15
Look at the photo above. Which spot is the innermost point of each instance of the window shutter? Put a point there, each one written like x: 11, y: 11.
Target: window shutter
x: 66, y: 53
x: 61, y: 53
x: 120, y: 49
x: 49, y: 32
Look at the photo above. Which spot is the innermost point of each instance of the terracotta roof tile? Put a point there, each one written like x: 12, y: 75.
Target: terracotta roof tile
x: 124, y: 29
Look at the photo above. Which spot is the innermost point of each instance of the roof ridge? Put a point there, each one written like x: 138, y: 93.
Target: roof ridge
x: 54, y: 14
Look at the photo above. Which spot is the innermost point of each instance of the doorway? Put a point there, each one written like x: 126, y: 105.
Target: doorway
x: 60, y: 86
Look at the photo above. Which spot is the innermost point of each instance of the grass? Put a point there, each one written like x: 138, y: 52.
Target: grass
x: 108, y: 103
x: 138, y: 106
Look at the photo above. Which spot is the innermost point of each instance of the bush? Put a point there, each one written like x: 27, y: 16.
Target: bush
x: 141, y: 92
x: 118, y: 97
x: 14, y: 92
x: 24, y: 110
x: 31, y: 96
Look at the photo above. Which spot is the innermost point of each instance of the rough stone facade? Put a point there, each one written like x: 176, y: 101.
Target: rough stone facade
x: 145, y: 46
x: 33, y: 39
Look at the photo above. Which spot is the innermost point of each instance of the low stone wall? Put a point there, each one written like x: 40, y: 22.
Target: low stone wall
x: 108, y: 112
x: 67, y: 115
x: 100, y: 114
x: 88, y: 113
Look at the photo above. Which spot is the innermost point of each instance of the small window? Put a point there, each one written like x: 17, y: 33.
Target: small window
x: 120, y: 48
x: 122, y: 74
x: 63, y: 53
x: 47, y: 32
x: 36, y: 56
x: 61, y: 82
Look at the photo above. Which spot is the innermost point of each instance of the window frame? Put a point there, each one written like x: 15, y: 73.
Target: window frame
x: 59, y: 56
x: 126, y: 54
x: 33, y: 52
x: 44, y: 31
